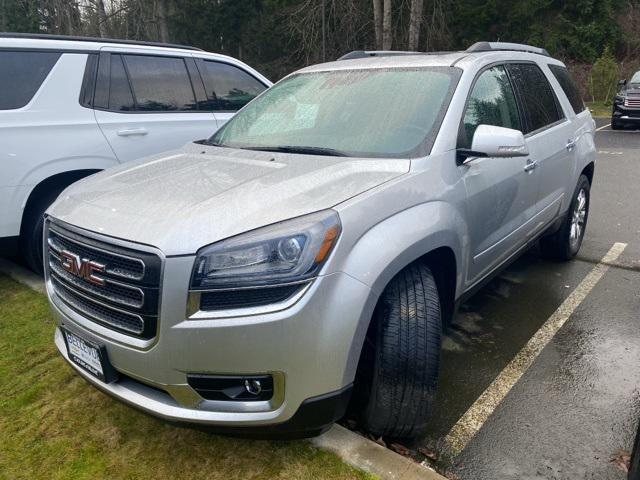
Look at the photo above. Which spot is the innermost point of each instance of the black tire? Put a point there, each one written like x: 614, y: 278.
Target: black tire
x: 561, y: 245
x: 403, y: 356
x: 615, y: 125
x: 31, y: 235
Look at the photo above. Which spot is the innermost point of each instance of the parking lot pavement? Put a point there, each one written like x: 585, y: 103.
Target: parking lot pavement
x: 577, y: 404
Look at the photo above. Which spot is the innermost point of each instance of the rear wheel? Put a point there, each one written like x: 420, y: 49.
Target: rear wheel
x: 31, y: 236
x: 398, y: 375
x: 565, y: 243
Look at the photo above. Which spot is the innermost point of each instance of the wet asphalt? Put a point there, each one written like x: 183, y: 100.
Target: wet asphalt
x: 578, y: 404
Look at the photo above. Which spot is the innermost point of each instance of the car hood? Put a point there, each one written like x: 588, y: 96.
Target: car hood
x: 183, y: 200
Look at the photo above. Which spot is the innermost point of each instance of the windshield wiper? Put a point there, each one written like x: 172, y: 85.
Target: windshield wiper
x: 330, y: 152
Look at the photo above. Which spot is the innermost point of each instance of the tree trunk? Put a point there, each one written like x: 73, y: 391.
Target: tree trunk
x: 103, y: 26
x: 163, y: 26
x: 387, y: 29
x: 3, y: 16
x: 415, y: 22
x: 377, y: 22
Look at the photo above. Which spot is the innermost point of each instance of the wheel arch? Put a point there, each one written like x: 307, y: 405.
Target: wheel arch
x: 57, y: 181
x: 588, y: 171
x: 439, y: 243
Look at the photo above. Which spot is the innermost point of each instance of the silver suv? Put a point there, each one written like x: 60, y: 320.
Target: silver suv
x: 309, y: 254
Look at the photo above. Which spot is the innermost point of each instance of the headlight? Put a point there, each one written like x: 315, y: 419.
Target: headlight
x: 285, y: 252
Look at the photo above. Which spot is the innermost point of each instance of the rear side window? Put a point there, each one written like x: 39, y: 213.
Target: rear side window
x: 21, y: 74
x: 120, y: 96
x: 492, y: 102
x: 568, y: 86
x: 229, y: 87
x: 537, y: 97
x: 160, y: 83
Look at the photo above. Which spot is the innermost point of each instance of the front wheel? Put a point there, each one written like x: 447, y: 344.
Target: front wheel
x: 565, y: 243
x: 402, y: 354
x: 32, y: 230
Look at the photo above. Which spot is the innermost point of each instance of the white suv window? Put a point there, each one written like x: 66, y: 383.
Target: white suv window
x: 492, y: 102
x: 229, y: 87
x: 21, y: 74
x: 160, y: 83
x: 537, y: 98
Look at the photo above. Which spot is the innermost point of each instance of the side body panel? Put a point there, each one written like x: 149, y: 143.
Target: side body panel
x: 52, y: 134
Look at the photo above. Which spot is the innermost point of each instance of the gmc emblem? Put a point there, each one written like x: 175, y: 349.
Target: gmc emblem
x: 82, y: 267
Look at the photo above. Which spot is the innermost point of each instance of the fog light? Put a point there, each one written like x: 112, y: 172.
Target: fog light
x: 227, y: 388
x: 253, y: 386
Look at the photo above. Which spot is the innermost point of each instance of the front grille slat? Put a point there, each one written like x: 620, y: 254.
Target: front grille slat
x: 116, y: 293
x: 632, y: 102
x: 126, y: 298
x: 98, y: 311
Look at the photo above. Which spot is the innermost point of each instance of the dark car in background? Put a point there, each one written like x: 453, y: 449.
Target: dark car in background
x: 626, y: 106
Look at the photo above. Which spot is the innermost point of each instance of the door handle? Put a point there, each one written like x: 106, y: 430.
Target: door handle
x: 571, y: 144
x: 128, y: 132
x: 531, y: 165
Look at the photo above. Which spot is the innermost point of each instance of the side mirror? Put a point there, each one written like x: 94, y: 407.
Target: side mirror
x: 491, y: 141
x: 622, y: 83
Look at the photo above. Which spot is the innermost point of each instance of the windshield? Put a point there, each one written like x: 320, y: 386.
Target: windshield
x: 366, y: 113
x: 636, y: 77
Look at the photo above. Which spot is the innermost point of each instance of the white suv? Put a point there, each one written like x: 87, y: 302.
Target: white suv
x: 70, y: 107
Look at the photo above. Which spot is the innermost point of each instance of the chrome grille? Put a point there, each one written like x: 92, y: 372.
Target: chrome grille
x: 632, y: 102
x: 98, y: 312
x: 118, y: 265
x: 125, y: 296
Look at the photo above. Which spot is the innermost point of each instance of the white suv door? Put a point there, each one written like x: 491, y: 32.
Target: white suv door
x: 146, y: 104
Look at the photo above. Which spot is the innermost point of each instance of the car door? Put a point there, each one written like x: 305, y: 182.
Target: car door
x: 580, y: 143
x: 550, y: 137
x: 228, y: 87
x: 147, y: 104
x: 501, y: 192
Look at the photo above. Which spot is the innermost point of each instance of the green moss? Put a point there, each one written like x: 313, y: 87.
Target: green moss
x: 54, y: 425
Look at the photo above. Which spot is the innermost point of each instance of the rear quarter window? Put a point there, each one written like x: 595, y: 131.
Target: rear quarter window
x: 21, y: 75
x: 568, y: 87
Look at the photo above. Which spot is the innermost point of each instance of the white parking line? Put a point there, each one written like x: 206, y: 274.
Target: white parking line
x: 603, y: 127
x: 473, y: 419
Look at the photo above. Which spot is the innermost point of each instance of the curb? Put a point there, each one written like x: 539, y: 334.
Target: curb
x: 367, y: 455
x: 22, y: 275
x: 352, y: 448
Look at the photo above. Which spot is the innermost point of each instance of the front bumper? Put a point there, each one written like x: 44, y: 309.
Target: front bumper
x: 625, y: 114
x: 310, y: 348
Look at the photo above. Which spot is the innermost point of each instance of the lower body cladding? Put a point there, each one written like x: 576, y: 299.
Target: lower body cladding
x: 298, y: 362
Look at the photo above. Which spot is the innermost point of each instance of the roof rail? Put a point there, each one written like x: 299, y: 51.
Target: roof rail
x: 375, y: 53
x: 505, y: 46
x: 46, y: 36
